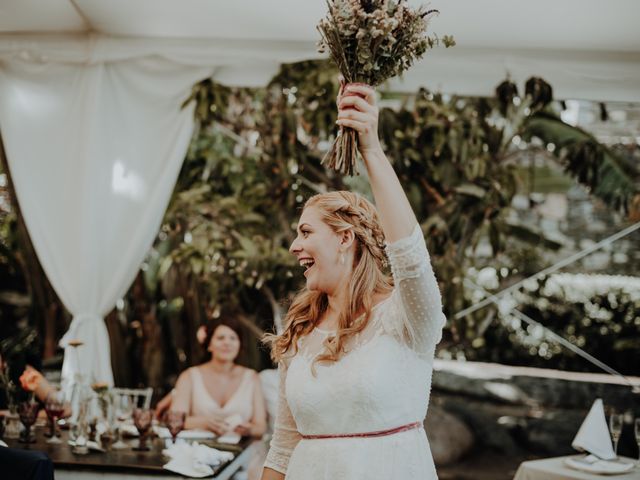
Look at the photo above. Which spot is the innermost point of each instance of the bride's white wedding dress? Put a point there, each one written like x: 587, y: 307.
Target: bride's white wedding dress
x: 381, y: 383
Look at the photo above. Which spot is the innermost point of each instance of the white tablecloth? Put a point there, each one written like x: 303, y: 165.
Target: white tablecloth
x: 555, y: 469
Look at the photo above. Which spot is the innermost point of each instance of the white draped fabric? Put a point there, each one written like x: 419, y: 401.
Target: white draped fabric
x: 95, y: 139
x: 244, y: 63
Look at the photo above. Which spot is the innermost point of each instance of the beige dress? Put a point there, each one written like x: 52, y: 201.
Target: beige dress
x: 198, y: 401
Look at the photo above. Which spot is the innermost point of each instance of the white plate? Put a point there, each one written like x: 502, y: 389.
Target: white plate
x: 163, y: 432
x: 593, y: 464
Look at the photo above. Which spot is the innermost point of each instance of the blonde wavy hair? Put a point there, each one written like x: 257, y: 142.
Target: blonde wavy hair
x: 341, y: 210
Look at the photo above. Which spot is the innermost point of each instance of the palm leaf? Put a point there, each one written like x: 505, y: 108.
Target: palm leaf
x: 530, y: 235
x: 608, y: 175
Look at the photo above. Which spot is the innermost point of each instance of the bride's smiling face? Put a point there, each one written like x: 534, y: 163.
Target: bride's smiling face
x: 318, y: 249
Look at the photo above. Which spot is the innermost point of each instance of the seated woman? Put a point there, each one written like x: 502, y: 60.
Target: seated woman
x: 219, y: 395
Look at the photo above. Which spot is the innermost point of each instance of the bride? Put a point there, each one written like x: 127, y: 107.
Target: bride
x: 356, y: 357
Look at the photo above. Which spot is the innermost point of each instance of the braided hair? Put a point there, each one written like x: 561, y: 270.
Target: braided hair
x: 341, y: 211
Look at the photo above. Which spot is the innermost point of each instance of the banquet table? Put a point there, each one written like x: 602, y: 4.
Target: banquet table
x: 555, y: 469
x: 127, y: 464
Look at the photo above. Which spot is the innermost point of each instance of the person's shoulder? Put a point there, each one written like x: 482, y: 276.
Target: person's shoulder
x: 384, y: 300
x: 250, y: 373
x: 186, y: 374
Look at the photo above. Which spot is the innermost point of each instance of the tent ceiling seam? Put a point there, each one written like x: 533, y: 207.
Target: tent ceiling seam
x: 82, y: 15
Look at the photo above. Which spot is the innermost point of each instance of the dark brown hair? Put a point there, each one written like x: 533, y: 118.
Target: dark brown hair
x: 228, y: 318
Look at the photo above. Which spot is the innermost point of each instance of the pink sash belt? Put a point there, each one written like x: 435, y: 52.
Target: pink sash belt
x: 378, y: 433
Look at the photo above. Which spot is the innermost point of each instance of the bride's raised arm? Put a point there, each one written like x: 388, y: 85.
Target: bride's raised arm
x: 406, y: 248
x: 358, y: 110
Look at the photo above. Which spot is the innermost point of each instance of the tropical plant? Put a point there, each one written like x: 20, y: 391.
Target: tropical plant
x: 25, y: 291
x: 255, y: 158
x: 595, y: 312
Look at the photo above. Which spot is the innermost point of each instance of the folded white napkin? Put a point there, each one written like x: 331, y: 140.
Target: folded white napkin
x: 233, y: 421
x: 231, y: 437
x: 194, y: 460
x: 593, y: 435
x: 91, y: 445
x: 196, y: 470
x: 593, y: 464
x: 2, y: 444
x: 129, y: 430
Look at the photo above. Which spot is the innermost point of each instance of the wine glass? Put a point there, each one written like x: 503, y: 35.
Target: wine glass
x: 54, y: 406
x: 94, y: 416
x: 174, y: 420
x: 124, y: 410
x: 28, y: 412
x: 142, y: 420
x: 615, y: 426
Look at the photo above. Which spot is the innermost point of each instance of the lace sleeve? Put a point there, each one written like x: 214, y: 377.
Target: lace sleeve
x: 285, y: 432
x: 418, y: 291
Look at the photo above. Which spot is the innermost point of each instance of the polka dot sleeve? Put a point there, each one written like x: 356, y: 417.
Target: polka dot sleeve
x: 418, y: 291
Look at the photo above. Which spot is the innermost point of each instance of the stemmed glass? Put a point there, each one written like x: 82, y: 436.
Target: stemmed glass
x: 124, y: 410
x: 54, y: 406
x: 615, y: 426
x: 142, y: 420
x: 174, y: 420
x: 28, y: 412
x: 95, y: 419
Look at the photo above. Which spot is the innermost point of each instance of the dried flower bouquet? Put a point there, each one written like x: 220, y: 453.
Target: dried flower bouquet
x: 371, y: 41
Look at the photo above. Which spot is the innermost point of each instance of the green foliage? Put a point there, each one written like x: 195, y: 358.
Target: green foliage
x: 9, y: 241
x: 255, y: 159
x: 226, y: 234
x: 609, y: 175
x: 211, y: 101
x: 455, y: 159
x: 230, y: 222
x: 606, y: 322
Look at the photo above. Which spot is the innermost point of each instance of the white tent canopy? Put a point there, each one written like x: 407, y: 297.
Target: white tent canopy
x: 90, y: 94
x: 586, y: 49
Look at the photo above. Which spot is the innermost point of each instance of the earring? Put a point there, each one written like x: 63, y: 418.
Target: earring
x: 342, y: 259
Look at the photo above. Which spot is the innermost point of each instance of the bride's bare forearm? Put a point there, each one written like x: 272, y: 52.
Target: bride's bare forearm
x: 357, y: 109
x: 396, y: 216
